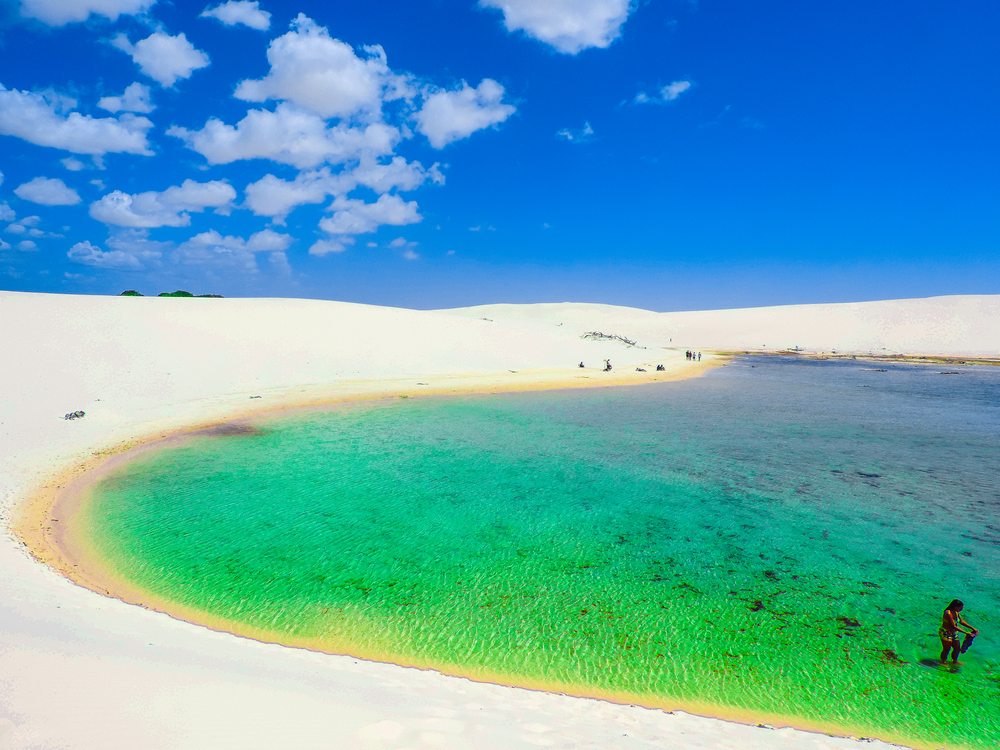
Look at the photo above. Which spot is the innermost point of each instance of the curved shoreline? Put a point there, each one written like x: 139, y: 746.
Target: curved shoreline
x: 45, y: 524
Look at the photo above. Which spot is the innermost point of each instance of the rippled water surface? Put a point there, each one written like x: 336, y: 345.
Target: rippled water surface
x: 779, y: 536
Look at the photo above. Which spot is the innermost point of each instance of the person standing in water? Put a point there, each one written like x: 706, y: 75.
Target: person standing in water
x: 952, y: 623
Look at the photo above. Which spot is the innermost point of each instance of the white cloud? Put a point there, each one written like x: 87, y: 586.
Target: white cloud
x: 6, y: 212
x: 72, y: 164
x: 39, y: 119
x: 401, y: 243
x: 399, y: 174
x: 27, y: 246
x: 288, y: 135
x: 583, y: 135
x: 240, y: 11
x: 134, y: 99
x: 162, y: 57
x: 136, y: 242
x: 325, y: 247
x: 569, y: 26
x: 352, y: 216
x: 47, y: 192
x: 271, y: 196
x: 274, y: 197
x: 475, y: 229
x: 667, y: 93
x: 61, y: 12
x: 672, y: 90
x: 323, y: 74
x: 90, y: 255
x: 279, y: 262
x: 164, y: 209
x: 4, y: 245
x: 448, y: 116
x: 329, y: 111
x: 213, y: 249
x: 1, y: 178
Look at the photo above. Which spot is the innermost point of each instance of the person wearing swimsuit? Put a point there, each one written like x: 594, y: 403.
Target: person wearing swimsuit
x: 952, y: 624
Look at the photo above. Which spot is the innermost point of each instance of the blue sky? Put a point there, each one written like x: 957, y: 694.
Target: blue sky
x: 669, y: 154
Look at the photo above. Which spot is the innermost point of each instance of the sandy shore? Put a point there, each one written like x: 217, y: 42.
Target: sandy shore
x: 82, y: 670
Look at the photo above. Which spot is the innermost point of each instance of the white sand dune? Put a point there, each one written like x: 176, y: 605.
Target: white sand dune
x: 84, y: 671
x: 965, y: 326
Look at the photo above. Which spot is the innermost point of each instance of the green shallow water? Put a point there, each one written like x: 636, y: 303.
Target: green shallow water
x: 779, y: 538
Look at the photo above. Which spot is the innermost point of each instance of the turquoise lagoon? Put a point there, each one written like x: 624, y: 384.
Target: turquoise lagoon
x: 778, y: 537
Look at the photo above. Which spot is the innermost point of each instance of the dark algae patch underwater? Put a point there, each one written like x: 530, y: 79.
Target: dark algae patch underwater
x: 778, y: 539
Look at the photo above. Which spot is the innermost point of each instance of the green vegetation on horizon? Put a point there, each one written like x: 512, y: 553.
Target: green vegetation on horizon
x: 178, y: 293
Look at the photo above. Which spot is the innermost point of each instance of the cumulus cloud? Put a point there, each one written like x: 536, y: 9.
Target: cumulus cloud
x: 213, y: 249
x: 91, y: 255
x: 45, y: 120
x: 27, y: 246
x: 288, y: 135
x: 329, y: 122
x: 61, y: 12
x: 353, y: 216
x: 72, y: 164
x: 569, y: 26
x: 240, y: 11
x: 23, y: 226
x: 4, y: 245
x: 135, y: 99
x: 667, y: 93
x: 47, y: 192
x: 583, y: 135
x: 324, y: 75
x: 274, y: 197
x: 325, y: 247
x: 399, y: 174
x: 401, y: 243
x: 279, y: 262
x: 162, y: 57
x: 448, y: 116
x: 6, y: 212
x: 164, y: 209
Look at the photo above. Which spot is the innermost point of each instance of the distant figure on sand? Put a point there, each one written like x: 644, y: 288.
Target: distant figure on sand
x: 607, y: 365
x: 581, y: 364
x: 952, y: 623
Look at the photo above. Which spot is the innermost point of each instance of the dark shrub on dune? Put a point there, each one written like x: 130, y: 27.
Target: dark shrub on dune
x: 178, y: 293
x: 182, y: 293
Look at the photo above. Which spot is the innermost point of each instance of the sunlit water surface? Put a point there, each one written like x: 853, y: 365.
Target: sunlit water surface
x: 779, y: 536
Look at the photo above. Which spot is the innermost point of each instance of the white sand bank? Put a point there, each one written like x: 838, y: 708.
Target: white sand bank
x: 959, y: 326
x: 78, y: 670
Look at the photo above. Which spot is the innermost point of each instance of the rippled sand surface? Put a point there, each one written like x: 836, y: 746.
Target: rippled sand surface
x: 779, y: 536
